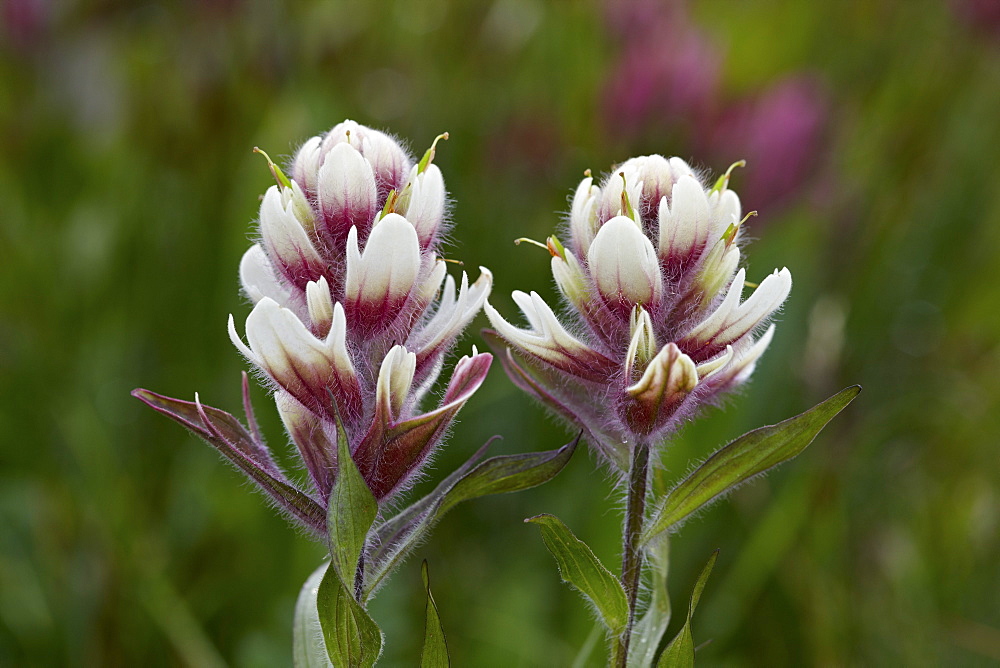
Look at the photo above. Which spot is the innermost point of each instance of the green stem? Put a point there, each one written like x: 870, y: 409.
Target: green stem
x: 635, y: 511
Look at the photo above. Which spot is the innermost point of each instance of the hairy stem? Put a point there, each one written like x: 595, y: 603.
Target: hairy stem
x: 635, y: 511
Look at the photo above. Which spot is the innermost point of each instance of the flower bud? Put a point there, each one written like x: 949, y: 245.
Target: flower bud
x: 624, y: 264
x: 583, y: 216
x: 320, y: 306
x: 258, y: 279
x: 668, y: 380
x: 642, y: 346
x: 346, y: 193
x: 394, y: 381
x: 684, y: 221
x: 377, y: 286
x: 571, y: 279
x: 286, y: 241
x: 425, y: 209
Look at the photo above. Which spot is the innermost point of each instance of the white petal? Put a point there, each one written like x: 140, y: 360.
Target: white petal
x: 389, y: 160
x: 258, y: 278
x: 294, y: 200
x: 570, y: 277
x: 283, y: 344
x: 583, y: 215
x: 584, y: 193
x: 624, y: 263
x: 336, y: 342
x: 284, y: 237
x: 454, y: 314
x: 346, y: 181
x: 765, y: 300
x: 242, y: 347
x: 389, y: 265
x: 394, y: 380
x: 716, y: 364
x: 432, y: 283
x: 427, y: 200
x: 714, y: 323
x: 320, y: 304
x: 546, y: 333
x: 305, y: 168
x: 726, y: 211
x: 346, y: 132
x: 680, y: 168
x: 744, y: 366
x: 684, y: 223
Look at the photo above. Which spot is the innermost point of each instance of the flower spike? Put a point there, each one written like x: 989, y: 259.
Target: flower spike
x: 657, y: 324
x: 350, y: 324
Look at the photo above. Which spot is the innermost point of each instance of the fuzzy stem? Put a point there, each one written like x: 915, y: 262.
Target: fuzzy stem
x: 635, y: 511
x: 359, y: 579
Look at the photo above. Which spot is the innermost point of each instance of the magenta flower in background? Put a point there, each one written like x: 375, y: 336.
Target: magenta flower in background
x: 24, y: 22
x: 782, y: 127
x: 667, y: 71
x: 980, y: 15
x: 666, y: 81
x: 354, y: 313
x: 657, y: 325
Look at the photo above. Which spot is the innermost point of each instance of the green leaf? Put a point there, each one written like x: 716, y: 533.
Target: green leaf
x: 748, y: 456
x: 680, y: 652
x: 435, y: 651
x: 352, y: 638
x: 308, y: 648
x: 580, y: 568
x: 648, y: 631
x: 396, y: 538
x: 350, y: 515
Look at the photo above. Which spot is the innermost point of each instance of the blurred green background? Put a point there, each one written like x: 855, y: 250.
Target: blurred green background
x: 127, y: 191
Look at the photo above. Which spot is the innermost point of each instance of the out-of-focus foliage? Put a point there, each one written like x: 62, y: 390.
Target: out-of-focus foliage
x: 127, y: 187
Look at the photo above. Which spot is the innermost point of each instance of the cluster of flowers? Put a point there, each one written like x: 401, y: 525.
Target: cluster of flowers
x: 354, y: 313
x: 652, y: 280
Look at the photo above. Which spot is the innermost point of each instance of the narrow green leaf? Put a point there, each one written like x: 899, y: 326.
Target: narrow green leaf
x: 508, y: 473
x: 680, y: 652
x: 308, y: 648
x: 649, y: 630
x: 396, y: 538
x: 352, y: 638
x: 351, y: 513
x: 435, y: 651
x: 748, y: 456
x: 581, y: 568
x: 582, y: 658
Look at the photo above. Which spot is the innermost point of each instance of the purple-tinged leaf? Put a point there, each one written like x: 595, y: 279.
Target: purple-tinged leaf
x: 560, y: 395
x: 390, y: 454
x: 224, y: 432
x: 248, y: 410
